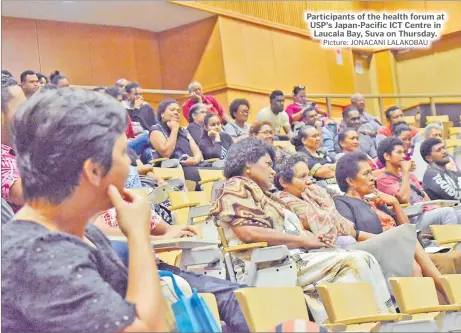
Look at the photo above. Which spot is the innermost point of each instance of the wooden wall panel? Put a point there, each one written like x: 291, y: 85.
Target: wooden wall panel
x: 112, y: 54
x: 436, y: 74
x: 19, y: 45
x: 65, y: 47
x: 210, y: 70
x: 260, y: 59
x: 181, y: 50
x: 147, y: 59
x: 87, y: 54
x: 287, y: 13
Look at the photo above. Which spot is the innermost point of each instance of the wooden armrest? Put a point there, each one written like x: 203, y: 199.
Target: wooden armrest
x: 335, y: 327
x: 374, y: 319
x: 440, y: 308
x: 161, y: 159
x: 210, y: 180
x: 245, y: 247
x: 185, y: 205
x: 449, y: 241
x: 167, y: 177
x: 211, y: 160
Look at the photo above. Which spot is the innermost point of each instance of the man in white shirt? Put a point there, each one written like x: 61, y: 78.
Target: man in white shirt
x: 275, y: 114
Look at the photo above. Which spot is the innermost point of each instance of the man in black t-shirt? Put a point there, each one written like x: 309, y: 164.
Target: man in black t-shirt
x: 438, y: 181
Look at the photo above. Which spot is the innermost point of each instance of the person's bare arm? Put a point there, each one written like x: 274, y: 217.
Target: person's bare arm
x: 288, y: 131
x: 196, y: 152
x: 165, y: 146
x: 144, y: 169
x: 325, y: 171
x: 249, y: 234
x: 16, y: 194
x: 363, y: 236
x: 404, y: 193
x: 144, y: 287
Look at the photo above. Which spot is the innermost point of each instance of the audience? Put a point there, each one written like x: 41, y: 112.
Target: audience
x: 29, y: 83
x: 197, y: 96
x: 394, y: 249
x: 239, y: 110
x: 214, y: 143
x: 394, y: 115
x: 137, y: 108
x: 439, y: 182
x: 275, y: 114
x: 353, y: 119
x: 12, y: 97
x: 196, y: 116
x: 247, y: 214
x: 71, y: 276
x: 59, y: 80
x: 308, y: 141
x: 355, y: 179
x: 363, y: 235
x: 173, y: 142
x: 399, y: 182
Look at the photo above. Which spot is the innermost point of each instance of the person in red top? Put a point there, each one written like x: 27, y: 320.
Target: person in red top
x: 296, y: 109
x: 394, y: 116
x: 12, y: 97
x: 197, y: 96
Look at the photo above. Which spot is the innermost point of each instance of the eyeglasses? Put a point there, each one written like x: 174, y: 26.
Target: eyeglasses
x: 267, y: 133
x: 300, y: 87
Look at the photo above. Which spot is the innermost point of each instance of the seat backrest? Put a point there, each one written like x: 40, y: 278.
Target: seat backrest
x: 170, y: 173
x: 207, y: 174
x: 414, y: 292
x: 448, y: 233
x: 410, y: 120
x: 264, y: 308
x: 348, y: 300
x: 285, y: 145
x: 210, y: 300
x: 437, y: 119
x: 178, y: 198
x: 452, y: 286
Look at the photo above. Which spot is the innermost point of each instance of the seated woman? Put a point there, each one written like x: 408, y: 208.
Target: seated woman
x: 196, y: 116
x: 308, y: 141
x: 354, y: 177
x: 396, y: 250
x: 71, y: 277
x: 214, y: 143
x: 348, y: 140
x: 248, y: 213
x: 171, y: 141
x: 265, y: 131
x: 239, y: 111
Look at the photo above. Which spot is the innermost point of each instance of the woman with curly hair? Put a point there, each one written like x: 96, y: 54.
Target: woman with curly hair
x: 248, y: 213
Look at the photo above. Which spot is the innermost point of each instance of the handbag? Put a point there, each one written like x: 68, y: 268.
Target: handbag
x: 191, y: 314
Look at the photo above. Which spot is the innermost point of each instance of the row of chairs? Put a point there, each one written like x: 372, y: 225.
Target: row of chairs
x: 351, y: 307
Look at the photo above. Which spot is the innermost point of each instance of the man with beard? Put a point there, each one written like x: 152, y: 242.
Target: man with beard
x: 275, y: 114
x: 369, y: 125
x: 394, y: 116
x: 352, y: 119
x: 438, y: 181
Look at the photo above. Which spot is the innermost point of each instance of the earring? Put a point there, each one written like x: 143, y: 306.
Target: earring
x: 248, y: 171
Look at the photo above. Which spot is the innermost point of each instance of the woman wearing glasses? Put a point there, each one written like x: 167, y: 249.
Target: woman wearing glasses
x: 196, y: 116
x: 239, y: 111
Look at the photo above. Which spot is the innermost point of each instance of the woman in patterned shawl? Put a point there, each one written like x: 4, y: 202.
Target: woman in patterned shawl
x: 248, y: 213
